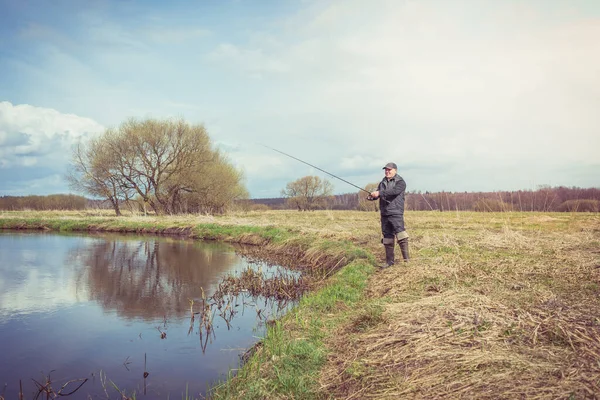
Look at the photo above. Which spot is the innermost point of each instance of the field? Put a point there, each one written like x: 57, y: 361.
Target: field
x: 492, y: 305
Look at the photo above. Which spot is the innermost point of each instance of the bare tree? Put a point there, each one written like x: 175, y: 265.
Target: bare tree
x: 156, y: 158
x: 167, y: 164
x: 308, y: 193
x: 92, y: 173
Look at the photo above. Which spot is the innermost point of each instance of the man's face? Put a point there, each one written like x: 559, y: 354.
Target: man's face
x: 390, y: 172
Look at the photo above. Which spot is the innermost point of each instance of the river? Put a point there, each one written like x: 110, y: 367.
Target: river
x: 115, y: 310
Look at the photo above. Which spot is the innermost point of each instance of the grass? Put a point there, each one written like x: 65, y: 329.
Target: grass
x: 288, y: 363
x: 492, y: 305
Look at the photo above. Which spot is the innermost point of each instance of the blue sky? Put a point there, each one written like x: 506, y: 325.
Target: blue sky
x: 463, y: 95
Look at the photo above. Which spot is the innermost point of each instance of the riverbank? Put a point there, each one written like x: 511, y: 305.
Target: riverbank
x: 493, y: 305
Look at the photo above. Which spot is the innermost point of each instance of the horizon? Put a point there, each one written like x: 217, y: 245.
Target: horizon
x: 470, y: 96
x: 408, y: 192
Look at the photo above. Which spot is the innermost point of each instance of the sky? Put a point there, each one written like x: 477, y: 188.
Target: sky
x: 463, y: 95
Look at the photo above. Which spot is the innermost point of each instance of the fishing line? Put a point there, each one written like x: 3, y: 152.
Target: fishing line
x: 314, y: 166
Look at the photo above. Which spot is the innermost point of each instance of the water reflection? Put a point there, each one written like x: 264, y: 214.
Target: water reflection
x: 32, y: 277
x: 90, y: 306
x: 149, y: 279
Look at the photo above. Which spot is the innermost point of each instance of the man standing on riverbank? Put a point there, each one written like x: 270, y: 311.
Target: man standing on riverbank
x: 390, y: 193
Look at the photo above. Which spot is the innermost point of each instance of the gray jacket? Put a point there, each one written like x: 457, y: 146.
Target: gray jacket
x: 391, y: 196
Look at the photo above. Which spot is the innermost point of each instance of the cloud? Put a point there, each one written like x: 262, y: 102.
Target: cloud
x: 35, y: 147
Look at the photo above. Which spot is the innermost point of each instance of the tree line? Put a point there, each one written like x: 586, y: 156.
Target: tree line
x: 545, y: 199
x: 50, y: 202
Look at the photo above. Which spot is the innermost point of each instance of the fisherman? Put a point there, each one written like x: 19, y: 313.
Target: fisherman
x: 390, y: 193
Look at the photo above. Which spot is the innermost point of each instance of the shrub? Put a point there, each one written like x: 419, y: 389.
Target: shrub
x: 260, y: 207
x: 580, y: 205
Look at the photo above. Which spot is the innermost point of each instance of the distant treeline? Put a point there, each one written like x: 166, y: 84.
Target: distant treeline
x: 561, y: 199
x: 50, y: 202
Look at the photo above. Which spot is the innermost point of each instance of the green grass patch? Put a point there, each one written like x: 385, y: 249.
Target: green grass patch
x: 293, y: 350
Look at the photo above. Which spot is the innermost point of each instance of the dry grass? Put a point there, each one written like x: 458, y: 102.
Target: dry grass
x: 493, y: 306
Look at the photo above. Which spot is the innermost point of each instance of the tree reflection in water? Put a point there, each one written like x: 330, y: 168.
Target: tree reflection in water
x: 149, y: 278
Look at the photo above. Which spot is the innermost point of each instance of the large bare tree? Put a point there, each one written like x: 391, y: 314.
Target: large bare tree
x: 166, y: 163
x: 308, y: 193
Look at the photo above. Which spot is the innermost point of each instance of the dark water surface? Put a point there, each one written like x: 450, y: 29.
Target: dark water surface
x: 75, y: 306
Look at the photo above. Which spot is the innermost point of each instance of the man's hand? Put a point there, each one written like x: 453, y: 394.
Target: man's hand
x: 374, y: 195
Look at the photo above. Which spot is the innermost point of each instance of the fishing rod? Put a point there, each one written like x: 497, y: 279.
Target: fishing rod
x: 297, y: 159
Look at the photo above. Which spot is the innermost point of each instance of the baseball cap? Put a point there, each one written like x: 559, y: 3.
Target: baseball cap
x: 390, y: 165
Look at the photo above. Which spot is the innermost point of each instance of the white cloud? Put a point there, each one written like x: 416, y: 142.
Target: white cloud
x: 35, y: 129
x: 35, y: 145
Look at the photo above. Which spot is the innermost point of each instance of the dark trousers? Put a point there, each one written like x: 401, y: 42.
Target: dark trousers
x: 391, y: 224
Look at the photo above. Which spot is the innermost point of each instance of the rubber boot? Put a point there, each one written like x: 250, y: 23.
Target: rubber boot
x: 403, y: 243
x: 389, y: 255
